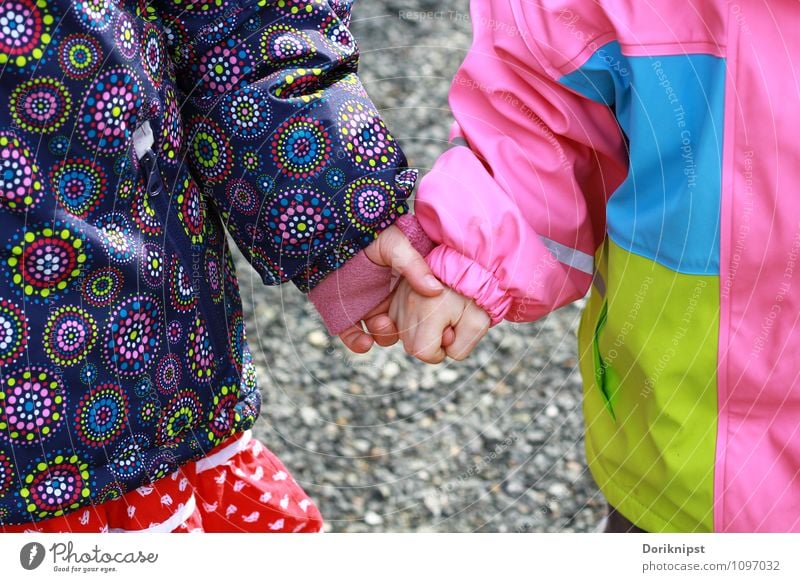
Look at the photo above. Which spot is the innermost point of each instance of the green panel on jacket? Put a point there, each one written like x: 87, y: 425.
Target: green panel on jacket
x: 650, y: 397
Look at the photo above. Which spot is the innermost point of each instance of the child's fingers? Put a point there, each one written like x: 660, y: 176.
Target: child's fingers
x: 393, y: 249
x: 426, y: 344
x: 356, y: 340
x: 380, y: 325
x: 428, y: 352
x: 448, y: 337
x: 382, y: 329
x: 406, y: 329
x: 469, y: 331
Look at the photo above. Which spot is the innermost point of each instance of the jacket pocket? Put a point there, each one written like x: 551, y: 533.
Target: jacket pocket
x: 602, y: 368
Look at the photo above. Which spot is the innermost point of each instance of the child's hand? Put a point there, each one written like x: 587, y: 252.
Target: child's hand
x: 424, y: 323
x: 390, y: 249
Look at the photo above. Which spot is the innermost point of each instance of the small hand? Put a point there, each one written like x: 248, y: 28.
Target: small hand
x: 390, y: 249
x: 423, y: 322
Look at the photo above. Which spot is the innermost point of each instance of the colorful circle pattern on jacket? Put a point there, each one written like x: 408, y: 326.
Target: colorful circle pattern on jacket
x: 108, y: 115
x: 25, y: 32
x: 55, y: 484
x: 282, y: 44
x: 224, y: 68
x: 79, y: 185
x: 210, y: 150
x: 370, y: 204
x: 69, y: 335
x: 42, y: 263
x: 246, y: 112
x: 95, y: 15
x: 7, y: 474
x: 31, y: 404
x: 301, y: 221
x: 40, y: 105
x: 100, y: 288
x: 133, y: 336
x: 20, y: 183
x: 191, y: 210
x: 301, y: 147
x: 80, y: 56
x: 366, y: 137
x: 182, y: 413
x: 102, y: 415
x: 13, y: 331
x: 300, y: 8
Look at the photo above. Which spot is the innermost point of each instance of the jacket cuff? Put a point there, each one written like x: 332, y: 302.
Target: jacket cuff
x: 470, y: 279
x: 345, y: 296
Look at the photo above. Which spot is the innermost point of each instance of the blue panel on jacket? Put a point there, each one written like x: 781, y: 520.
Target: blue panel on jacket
x: 671, y: 110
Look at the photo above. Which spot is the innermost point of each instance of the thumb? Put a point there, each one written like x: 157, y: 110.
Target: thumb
x: 393, y: 249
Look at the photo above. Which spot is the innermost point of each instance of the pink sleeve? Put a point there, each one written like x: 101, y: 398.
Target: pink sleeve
x: 349, y: 293
x: 517, y: 206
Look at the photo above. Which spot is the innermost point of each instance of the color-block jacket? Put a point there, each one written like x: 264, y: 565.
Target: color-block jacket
x: 132, y: 135
x: 647, y: 150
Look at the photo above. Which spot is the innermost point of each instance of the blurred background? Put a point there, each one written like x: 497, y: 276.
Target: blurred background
x: 383, y: 443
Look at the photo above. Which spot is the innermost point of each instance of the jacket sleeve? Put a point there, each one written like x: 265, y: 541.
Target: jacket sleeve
x: 517, y: 206
x: 281, y: 136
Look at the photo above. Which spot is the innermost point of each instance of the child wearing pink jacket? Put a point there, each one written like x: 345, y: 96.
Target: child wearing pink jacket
x: 642, y: 152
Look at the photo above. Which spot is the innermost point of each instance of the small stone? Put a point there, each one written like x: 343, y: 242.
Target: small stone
x: 428, y: 382
x: 309, y: 415
x: 447, y: 376
x: 391, y: 370
x: 574, y: 469
x: 521, y: 418
x: 558, y: 490
x: 492, y: 435
x: 538, y: 496
x: 514, y: 487
x: 317, y: 339
x: 372, y: 518
x: 536, y: 436
x: 551, y: 411
x: 406, y: 409
x: 433, y: 503
x: 362, y: 445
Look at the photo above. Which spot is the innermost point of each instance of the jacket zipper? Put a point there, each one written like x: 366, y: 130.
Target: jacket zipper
x: 143, y: 141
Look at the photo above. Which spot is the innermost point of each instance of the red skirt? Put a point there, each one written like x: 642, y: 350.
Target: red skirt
x: 239, y: 487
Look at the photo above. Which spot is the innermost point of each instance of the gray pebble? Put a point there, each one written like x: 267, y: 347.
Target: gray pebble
x: 372, y: 518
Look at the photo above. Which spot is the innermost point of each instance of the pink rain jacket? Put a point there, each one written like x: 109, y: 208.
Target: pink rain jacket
x: 646, y: 151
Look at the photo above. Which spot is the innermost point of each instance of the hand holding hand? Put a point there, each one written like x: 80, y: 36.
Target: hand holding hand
x: 423, y: 323
x: 391, y: 249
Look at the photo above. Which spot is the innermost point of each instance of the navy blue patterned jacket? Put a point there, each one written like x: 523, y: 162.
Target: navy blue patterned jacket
x: 133, y: 134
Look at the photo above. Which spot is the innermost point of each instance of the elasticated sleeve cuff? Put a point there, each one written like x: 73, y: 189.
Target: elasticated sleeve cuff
x: 470, y: 279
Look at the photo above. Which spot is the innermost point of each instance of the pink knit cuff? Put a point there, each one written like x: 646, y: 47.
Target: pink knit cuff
x: 345, y: 296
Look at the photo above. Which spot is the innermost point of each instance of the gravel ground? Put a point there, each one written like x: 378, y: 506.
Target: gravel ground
x: 386, y: 444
